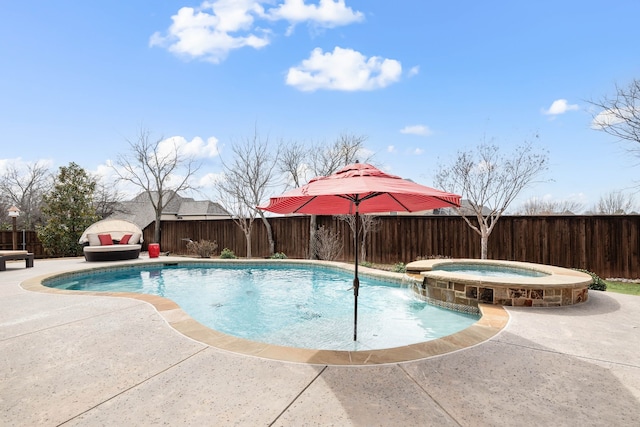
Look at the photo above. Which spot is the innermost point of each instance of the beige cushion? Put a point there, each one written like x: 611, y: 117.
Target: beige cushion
x: 4, y: 253
x: 110, y: 248
x: 94, y: 240
x: 135, y: 238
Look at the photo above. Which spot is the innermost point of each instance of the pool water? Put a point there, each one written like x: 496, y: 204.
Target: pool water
x: 487, y: 270
x: 297, y: 306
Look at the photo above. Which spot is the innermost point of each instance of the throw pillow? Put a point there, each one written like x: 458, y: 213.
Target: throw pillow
x: 105, y: 239
x: 125, y: 239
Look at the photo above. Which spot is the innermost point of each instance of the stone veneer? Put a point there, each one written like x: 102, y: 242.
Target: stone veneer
x: 560, y: 287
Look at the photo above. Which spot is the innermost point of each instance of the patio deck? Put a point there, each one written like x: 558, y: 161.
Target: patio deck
x: 99, y: 360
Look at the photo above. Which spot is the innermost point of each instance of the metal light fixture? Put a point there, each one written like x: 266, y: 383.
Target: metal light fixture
x: 14, y: 213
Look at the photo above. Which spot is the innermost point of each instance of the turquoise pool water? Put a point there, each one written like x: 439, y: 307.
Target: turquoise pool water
x: 290, y: 305
x: 487, y: 270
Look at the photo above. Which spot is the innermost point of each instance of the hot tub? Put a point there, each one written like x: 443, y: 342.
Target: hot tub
x: 510, y: 283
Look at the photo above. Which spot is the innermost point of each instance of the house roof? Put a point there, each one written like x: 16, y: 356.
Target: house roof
x: 190, y: 207
x: 139, y: 210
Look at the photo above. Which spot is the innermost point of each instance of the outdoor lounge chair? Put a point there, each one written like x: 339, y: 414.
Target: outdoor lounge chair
x: 111, y: 240
x: 13, y: 255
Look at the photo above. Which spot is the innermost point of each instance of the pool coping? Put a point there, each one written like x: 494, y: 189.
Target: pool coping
x: 556, y: 277
x: 494, y: 319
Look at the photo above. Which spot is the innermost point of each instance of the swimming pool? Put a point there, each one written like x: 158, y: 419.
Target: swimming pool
x: 290, y: 305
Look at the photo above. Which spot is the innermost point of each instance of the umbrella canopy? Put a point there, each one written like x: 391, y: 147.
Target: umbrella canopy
x: 359, y: 188
x: 363, y: 186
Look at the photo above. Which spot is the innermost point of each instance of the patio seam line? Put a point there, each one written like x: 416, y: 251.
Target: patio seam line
x: 69, y: 323
x: 133, y: 386
x: 568, y: 354
x: 324, y: 368
x: 429, y: 394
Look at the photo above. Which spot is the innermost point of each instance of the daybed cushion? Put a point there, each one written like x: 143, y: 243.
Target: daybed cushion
x: 110, y: 248
x: 94, y: 239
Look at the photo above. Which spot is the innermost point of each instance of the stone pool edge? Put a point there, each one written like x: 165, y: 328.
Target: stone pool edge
x: 493, y: 320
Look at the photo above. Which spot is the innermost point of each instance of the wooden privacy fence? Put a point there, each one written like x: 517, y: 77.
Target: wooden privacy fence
x: 606, y: 245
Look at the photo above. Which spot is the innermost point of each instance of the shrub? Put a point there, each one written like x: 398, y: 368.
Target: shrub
x: 202, y: 248
x: 227, y: 254
x: 366, y: 264
x: 278, y: 255
x: 328, y: 244
x: 400, y: 267
x: 597, y: 284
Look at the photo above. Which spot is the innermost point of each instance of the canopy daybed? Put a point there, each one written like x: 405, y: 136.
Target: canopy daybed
x: 111, y: 240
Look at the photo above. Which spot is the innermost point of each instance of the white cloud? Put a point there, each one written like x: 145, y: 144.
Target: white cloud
x: 414, y: 71
x: 343, y: 69
x: 418, y: 151
x: 325, y: 14
x: 613, y: 117
x: 22, y: 165
x: 391, y: 149
x: 421, y: 130
x: 560, y: 106
x: 196, y: 148
x: 210, y: 180
x: 213, y: 30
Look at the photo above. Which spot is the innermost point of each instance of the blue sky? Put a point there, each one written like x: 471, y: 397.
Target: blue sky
x: 421, y: 79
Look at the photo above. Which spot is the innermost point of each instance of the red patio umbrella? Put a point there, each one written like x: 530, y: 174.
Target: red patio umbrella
x: 359, y: 188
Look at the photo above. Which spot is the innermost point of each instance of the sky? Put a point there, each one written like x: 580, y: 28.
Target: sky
x: 422, y: 80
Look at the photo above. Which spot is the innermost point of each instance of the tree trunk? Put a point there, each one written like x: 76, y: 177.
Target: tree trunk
x: 156, y: 232
x: 248, y: 237
x: 267, y: 225
x: 313, y: 226
x: 484, y: 243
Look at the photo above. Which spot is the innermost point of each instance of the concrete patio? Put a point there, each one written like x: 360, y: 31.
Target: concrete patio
x: 101, y: 360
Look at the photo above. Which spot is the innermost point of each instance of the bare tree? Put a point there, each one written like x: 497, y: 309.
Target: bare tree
x: 106, y: 199
x: 300, y: 163
x: 232, y: 198
x: 537, y: 206
x: 25, y: 187
x: 369, y: 224
x: 619, y: 115
x: 490, y: 182
x: 159, y: 168
x: 246, y: 182
x: 292, y: 163
x: 615, y: 203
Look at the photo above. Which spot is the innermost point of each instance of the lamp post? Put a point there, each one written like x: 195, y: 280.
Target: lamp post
x: 14, y: 213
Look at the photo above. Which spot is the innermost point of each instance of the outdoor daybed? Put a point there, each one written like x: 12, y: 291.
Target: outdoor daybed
x: 12, y: 255
x: 111, y: 240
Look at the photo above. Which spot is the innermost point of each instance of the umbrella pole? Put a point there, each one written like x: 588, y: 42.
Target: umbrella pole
x: 356, y: 281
